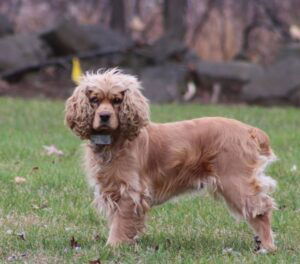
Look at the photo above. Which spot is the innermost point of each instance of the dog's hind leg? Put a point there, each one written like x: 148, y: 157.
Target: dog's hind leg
x: 247, y: 198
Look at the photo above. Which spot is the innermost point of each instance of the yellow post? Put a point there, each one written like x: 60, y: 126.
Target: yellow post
x: 76, y: 70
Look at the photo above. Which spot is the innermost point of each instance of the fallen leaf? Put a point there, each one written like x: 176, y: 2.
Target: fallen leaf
x: 97, y: 237
x: 34, y: 169
x: 282, y: 207
x: 227, y: 250
x: 52, y: 150
x: 20, y: 180
x: 290, y: 249
x: 74, y: 244
x: 230, y: 251
x: 38, y: 207
x: 21, y: 235
x: 15, y: 257
x: 12, y: 258
x: 9, y: 232
x: 294, y: 168
x: 168, y: 242
x: 43, y: 206
x: 97, y: 261
x: 154, y: 248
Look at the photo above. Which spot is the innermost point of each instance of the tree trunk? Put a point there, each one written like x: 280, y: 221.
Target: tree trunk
x: 174, y: 18
x: 117, y: 21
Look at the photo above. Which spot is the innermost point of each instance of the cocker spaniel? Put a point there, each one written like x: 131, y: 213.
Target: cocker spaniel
x: 133, y: 164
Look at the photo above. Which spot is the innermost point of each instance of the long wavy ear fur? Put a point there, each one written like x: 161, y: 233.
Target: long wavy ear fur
x: 134, y: 112
x: 79, y: 113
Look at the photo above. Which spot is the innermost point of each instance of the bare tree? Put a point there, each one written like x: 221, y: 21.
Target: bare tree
x: 265, y: 15
x: 174, y: 18
x: 272, y: 12
x: 117, y: 20
x: 202, y: 20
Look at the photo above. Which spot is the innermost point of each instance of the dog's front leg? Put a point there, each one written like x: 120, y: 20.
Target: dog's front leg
x: 126, y: 222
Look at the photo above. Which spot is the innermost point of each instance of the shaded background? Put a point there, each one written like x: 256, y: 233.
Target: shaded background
x: 208, y: 51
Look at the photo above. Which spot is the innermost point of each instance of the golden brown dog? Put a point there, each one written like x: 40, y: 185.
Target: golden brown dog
x: 134, y: 164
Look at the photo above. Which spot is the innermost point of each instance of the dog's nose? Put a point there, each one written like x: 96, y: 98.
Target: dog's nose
x: 104, y: 116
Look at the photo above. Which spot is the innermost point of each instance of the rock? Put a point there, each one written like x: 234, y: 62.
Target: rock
x: 232, y: 71
x: 71, y: 38
x: 294, y: 96
x: 4, y: 87
x: 278, y: 83
x: 165, y: 83
x: 289, y: 50
x: 165, y: 48
x: 20, y: 50
x: 48, y: 82
x: 6, y: 28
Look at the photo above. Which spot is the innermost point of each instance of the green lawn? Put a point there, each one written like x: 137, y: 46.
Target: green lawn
x: 54, y: 203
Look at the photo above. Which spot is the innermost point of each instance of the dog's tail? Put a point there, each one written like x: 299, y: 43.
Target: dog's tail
x: 266, y: 156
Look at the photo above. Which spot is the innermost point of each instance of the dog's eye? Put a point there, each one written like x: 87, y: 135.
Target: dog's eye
x: 117, y: 101
x: 94, y: 100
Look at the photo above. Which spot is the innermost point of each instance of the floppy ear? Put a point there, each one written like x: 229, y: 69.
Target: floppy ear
x: 134, y: 113
x: 79, y: 113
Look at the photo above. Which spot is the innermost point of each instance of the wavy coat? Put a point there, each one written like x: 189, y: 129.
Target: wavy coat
x: 149, y: 163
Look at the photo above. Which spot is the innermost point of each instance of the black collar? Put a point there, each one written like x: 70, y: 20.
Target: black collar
x: 101, y: 139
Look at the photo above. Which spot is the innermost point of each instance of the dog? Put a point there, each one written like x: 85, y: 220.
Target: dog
x: 133, y: 164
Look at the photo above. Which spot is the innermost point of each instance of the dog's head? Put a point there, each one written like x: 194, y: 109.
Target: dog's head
x: 105, y: 103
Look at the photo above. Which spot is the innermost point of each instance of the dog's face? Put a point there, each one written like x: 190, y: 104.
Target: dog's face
x: 107, y: 102
x: 107, y: 106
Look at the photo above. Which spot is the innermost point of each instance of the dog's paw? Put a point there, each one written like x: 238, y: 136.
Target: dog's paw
x: 257, y: 242
x: 260, y: 249
x: 117, y: 242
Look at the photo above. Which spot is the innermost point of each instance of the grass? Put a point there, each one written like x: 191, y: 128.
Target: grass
x: 53, y: 205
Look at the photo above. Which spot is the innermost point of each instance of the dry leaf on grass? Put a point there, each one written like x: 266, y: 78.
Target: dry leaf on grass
x: 20, y: 180
x: 41, y: 206
x: 16, y: 258
x: 74, y: 244
x: 156, y: 247
x: 21, y: 235
x: 97, y: 261
x: 52, y: 150
x: 97, y: 237
x: 282, y: 207
x: 294, y: 168
x: 12, y: 258
x: 230, y: 251
x: 168, y: 242
x: 35, y: 169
